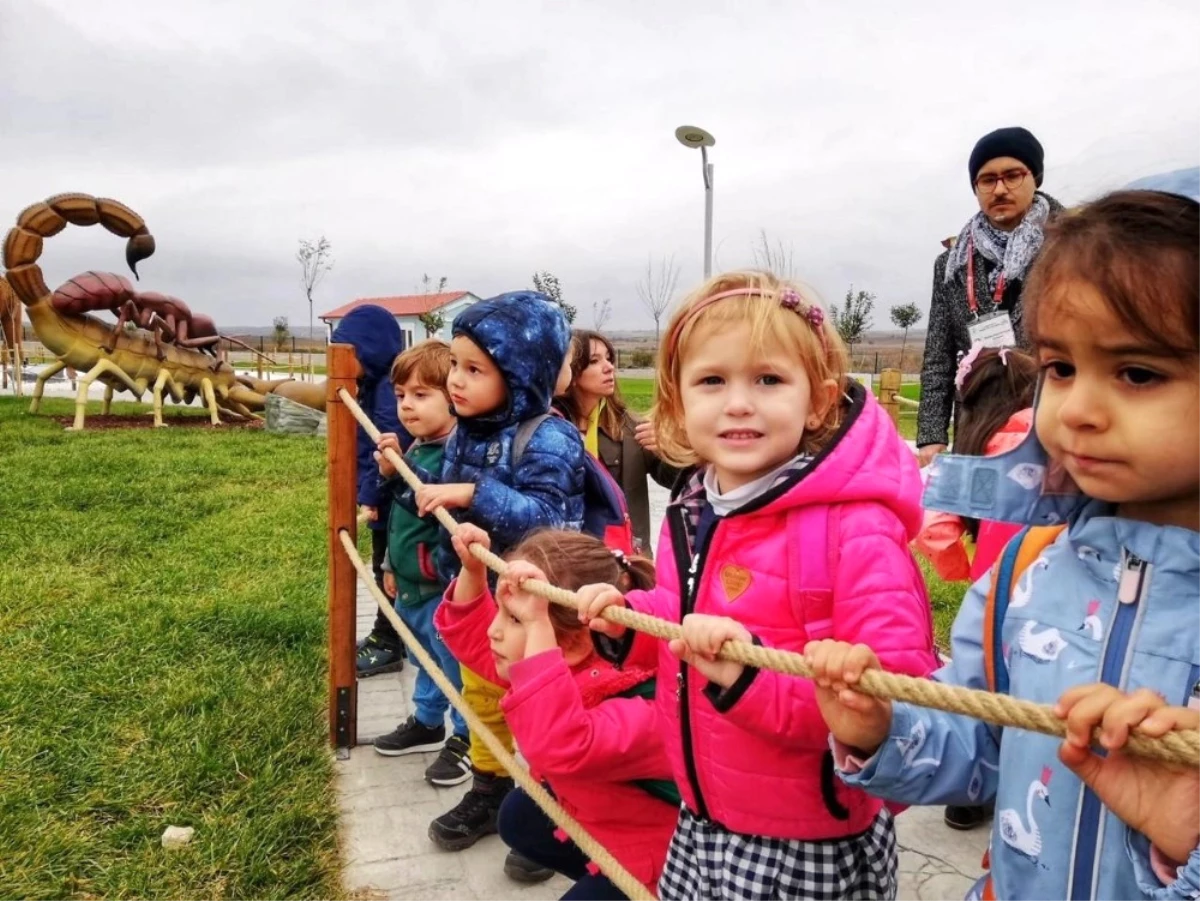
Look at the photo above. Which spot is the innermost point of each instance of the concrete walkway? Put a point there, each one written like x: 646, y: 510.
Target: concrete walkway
x: 386, y: 807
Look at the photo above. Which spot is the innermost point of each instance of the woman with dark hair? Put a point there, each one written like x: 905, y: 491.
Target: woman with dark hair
x: 609, y: 430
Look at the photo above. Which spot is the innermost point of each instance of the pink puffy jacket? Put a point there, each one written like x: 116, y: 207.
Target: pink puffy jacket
x: 589, y: 745
x: 943, y: 535
x: 824, y: 554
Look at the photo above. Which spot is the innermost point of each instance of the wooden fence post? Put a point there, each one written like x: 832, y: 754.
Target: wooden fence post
x: 889, y: 389
x: 342, y: 438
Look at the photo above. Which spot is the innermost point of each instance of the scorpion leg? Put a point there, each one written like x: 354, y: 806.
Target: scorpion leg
x: 128, y: 311
x: 108, y: 393
x: 210, y: 400
x: 240, y: 408
x: 160, y: 351
x: 56, y: 366
x: 85, y: 383
x: 163, y: 377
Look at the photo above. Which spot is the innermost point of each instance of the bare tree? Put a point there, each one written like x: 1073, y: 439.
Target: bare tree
x: 776, y: 258
x: 601, y: 311
x: 657, y: 289
x: 427, y: 284
x: 316, y: 259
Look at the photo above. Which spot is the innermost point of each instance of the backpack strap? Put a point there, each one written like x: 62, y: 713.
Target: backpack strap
x: 813, y: 532
x: 1018, y: 555
x: 524, y: 435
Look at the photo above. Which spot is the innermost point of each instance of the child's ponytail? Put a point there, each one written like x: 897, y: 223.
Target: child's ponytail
x: 571, y: 560
x: 637, y: 575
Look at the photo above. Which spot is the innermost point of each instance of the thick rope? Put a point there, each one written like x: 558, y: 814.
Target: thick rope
x: 1178, y: 747
x: 620, y: 877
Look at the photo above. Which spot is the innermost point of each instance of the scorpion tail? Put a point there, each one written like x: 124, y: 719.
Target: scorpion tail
x: 23, y: 245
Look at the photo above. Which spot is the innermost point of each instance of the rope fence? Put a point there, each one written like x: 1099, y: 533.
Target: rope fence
x: 1179, y: 747
x: 599, y: 855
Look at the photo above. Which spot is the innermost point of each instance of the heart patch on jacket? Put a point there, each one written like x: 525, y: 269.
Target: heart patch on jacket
x: 735, y: 580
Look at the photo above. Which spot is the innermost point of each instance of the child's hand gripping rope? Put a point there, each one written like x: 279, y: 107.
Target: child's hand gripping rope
x: 703, y: 638
x: 1159, y: 800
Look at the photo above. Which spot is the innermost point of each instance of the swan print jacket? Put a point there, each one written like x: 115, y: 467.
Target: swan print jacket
x: 1111, y: 600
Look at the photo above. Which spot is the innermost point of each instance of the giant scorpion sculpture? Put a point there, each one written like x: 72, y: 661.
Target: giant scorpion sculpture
x: 164, y: 316
x: 120, y: 359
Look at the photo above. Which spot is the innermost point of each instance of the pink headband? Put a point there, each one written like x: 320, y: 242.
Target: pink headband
x: 788, y: 298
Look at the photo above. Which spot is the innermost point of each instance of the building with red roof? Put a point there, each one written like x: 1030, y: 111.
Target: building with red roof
x: 408, y: 309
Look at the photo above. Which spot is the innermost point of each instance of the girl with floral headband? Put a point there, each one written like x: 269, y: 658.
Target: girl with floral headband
x: 793, y: 524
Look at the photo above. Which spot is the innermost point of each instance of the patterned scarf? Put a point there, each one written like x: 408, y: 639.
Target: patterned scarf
x: 1012, y: 252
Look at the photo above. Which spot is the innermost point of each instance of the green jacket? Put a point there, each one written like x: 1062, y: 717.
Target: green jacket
x: 412, y: 540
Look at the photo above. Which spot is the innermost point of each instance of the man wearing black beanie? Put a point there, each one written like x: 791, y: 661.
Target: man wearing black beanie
x: 977, y: 293
x: 977, y: 282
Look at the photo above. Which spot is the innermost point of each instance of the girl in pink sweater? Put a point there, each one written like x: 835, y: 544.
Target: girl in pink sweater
x: 587, y: 728
x: 794, y: 523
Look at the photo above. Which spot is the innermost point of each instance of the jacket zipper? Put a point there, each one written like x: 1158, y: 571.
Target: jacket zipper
x: 1130, y: 590
x: 689, y: 579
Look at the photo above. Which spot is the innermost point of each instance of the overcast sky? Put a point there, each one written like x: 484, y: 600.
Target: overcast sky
x: 483, y: 141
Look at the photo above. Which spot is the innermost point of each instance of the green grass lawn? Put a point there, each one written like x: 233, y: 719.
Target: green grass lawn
x: 162, y: 662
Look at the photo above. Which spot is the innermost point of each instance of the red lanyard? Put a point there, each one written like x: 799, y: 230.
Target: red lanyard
x: 997, y: 295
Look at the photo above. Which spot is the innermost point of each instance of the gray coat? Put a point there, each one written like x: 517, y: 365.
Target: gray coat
x: 948, y: 337
x: 630, y: 463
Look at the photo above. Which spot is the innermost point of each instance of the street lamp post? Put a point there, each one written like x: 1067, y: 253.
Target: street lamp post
x: 691, y: 136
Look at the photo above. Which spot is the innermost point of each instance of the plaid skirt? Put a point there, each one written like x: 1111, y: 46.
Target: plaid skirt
x: 706, y: 861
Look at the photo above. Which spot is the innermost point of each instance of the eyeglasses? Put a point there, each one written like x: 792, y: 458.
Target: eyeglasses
x: 986, y: 184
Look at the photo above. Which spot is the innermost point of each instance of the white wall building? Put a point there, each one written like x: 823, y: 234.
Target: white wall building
x: 408, y: 309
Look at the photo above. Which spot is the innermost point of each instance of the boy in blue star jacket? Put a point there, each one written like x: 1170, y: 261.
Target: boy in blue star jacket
x: 506, y: 355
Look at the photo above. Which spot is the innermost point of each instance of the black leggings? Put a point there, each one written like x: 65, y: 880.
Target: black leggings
x: 529, y: 832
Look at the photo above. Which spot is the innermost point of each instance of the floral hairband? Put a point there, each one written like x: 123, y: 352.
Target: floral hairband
x: 968, y: 361
x: 789, y: 298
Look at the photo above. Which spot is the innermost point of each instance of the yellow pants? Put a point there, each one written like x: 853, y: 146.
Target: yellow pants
x: 483, y: 697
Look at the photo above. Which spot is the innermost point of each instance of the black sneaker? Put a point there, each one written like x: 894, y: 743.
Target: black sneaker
x: 520, y: 868
x: 410, y: 737
x: 453, y: 765
x: 376, y: 656
x: 474, y: 816
x: 965, y: 818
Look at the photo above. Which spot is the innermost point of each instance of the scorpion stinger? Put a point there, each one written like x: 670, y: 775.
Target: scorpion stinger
x: 138, y: 248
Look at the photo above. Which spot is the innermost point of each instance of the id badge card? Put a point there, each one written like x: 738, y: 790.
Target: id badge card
x: 993, y: 330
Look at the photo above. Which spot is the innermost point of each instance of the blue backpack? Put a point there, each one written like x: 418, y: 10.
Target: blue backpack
x: 605, y: 513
